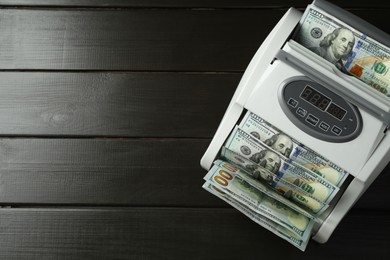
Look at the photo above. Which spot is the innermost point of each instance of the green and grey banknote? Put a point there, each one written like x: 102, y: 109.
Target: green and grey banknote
x: 352, y: 52
x: 292, y: 149
x: 268, y: 190
x: 267, y: 223
x: 251, y: 148
x: 225, y: 178
x: 287, y: 176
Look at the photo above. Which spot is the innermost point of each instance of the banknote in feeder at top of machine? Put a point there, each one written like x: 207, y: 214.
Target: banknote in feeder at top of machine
x: 288, y: 176
x: 280, y: 231
x: 249, y: 147
x: 291, y: 148
x: 350, y: 50
x: 224, y: 177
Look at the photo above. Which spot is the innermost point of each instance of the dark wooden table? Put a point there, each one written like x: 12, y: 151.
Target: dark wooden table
x: 106, y: 108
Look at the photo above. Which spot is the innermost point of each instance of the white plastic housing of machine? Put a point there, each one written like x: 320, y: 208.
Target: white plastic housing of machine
x: 280, y: 59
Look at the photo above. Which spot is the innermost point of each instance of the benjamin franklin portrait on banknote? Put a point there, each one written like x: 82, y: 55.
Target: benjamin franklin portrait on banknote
x: 336, y: 47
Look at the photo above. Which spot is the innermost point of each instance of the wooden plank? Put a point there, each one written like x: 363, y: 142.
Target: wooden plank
x: 137, y: 39
x: 187, y: 3
x: 149, y: 172
x: 161, y: 233
x: 114, y: 104
x: 98, y: 171
x: 131, y: 39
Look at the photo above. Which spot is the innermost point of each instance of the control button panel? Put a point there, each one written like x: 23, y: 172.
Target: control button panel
x: 319, y: 112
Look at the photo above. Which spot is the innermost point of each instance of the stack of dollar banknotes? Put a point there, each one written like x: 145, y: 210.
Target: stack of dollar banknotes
x: 277, y: 182
x: 273, y: 179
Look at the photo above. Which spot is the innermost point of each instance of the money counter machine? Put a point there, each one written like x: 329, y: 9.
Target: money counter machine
x: 335, y: 113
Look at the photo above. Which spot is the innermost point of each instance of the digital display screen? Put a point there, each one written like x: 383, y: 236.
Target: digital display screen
x: 315, y: 98
x: 322, y: 102
x: 336, y: 111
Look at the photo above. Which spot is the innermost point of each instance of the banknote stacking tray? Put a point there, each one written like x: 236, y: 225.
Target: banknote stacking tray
x: 279, y: 61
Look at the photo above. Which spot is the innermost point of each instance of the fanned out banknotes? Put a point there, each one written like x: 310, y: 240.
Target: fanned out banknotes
x: 252, y: 149
x: 225, y: 177
x: 273, y: 179
x: 265, y: 222
x: 350, y: 50
x: 292, y: 149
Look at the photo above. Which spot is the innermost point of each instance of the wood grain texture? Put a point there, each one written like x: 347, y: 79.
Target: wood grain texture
x: 114, y: 104
x: 162, y: 40
x: 163, y: 233
x: 188, y: 3
x: 146, y: 40
x: 149, y: 172
x: 153, y: 172
x: 106, y: 108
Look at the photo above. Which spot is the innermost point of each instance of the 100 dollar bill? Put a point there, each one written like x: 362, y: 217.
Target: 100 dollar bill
x: 313, y: 185
x: 249, y: 147
x: 351, y: 51
x: 291, y: 148
x: 275, y: 195
x: 266, y: 223
x: 288, y: 190
x: 226, y: 180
